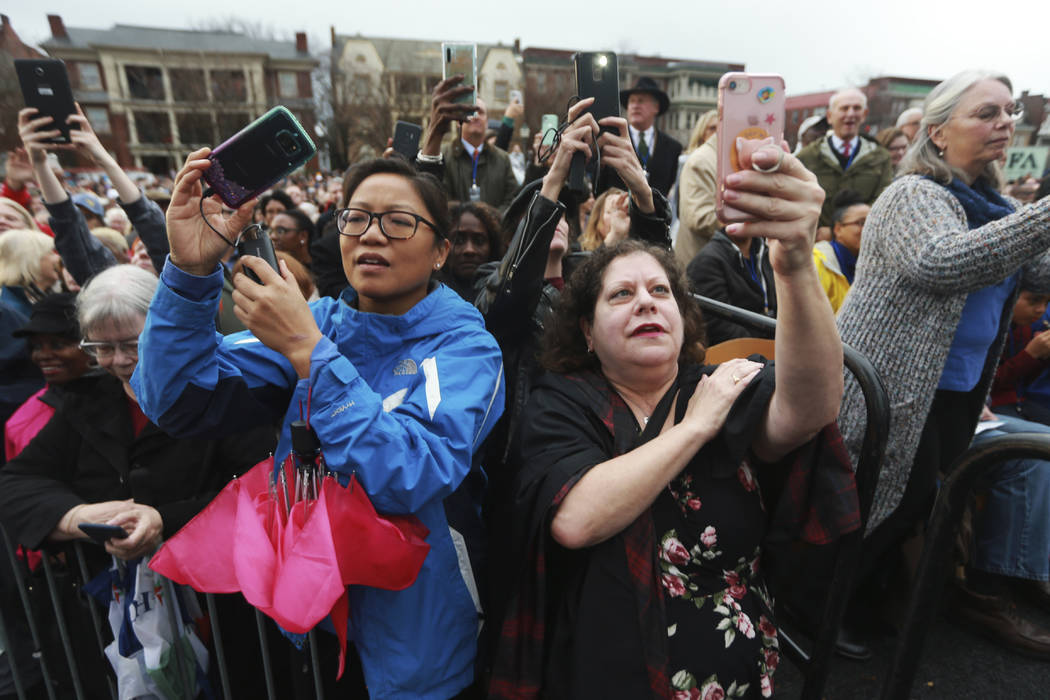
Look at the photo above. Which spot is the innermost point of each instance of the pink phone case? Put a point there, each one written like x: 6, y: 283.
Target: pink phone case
x: 750, y: 106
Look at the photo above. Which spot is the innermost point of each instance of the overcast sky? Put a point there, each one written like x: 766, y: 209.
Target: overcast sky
x: 814, y: 44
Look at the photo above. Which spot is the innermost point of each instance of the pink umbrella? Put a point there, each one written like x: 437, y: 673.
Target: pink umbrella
x: 293, y: 555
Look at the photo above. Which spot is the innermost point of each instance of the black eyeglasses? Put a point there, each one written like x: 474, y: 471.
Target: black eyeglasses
x: 393, y: 224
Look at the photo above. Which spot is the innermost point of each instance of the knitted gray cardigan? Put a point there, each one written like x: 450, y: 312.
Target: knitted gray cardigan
x: 918, y: 262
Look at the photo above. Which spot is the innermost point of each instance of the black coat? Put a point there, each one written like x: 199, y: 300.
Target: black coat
x: 718, y: 271
x: 88, y: 453
x: 662, y: 166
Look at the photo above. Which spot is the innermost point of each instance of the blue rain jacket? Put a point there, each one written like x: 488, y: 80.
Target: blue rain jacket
x: 402, y: 401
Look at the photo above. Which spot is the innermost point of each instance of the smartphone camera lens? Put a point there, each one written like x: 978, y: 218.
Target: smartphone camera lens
x: 39, y: 71
x: 287, y: 143
x: 732, y: 85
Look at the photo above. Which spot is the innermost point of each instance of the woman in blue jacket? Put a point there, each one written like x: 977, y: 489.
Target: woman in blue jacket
x: 399, y: 376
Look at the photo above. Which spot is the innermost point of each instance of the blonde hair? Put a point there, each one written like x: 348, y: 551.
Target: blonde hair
x: 21, y: 252
x: 592, y: 238
x: 924, y: 157
x: 697, y: 138
x: 112, y: 239
x: 30, y: 222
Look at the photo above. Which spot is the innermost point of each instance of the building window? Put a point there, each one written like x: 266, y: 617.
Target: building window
x: 501, y: 91
x: 287, y: 84
x: 407, y: 85
x: 89, y: 76
x: 229, y: 86
x: 187, y: 85
x: 158, y: 165
x: 230, y: 123
x: 153, y: 127
x: 144, y: 83
x: 195, y: 129
x: 99, y: 119
x: 541, y: 82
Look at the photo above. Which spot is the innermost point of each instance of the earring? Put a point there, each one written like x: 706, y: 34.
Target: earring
x: 437, y: 266
x: 940, y: 152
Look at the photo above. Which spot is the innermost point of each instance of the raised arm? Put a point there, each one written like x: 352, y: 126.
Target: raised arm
x: 787, y: 205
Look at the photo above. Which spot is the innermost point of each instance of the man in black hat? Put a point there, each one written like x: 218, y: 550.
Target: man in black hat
x: 657, y: 151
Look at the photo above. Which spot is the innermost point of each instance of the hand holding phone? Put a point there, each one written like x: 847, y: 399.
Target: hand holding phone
x: 406, y: 139
x: 598, y: 77
x: 461, y: 59
x: 103, y: 533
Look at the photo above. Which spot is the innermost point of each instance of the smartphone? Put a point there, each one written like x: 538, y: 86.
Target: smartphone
x: 750, y: 106
x: 461, y: 59
x: 45, y: 86
x: 406, y: 139
x: 103, y: 533
x: 256, y: 241
x: 515, y: 96
x: 257, y: 156
x: 548, y: 126
x: 597, y: 76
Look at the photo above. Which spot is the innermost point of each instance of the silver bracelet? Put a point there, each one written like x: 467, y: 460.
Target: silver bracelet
x: 424, y: 158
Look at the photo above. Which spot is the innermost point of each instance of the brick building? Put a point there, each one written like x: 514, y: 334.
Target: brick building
x: 155, y: 94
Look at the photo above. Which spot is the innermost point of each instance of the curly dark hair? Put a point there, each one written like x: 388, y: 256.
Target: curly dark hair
x: 564, y: 348
x: 428, y: 187
x: 489, y: 218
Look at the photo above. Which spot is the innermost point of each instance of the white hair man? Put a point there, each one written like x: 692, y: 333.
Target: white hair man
x: 908, y: 122
x: 846, y: 158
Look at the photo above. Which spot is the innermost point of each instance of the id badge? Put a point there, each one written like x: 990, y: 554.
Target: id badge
x: 475, y: 193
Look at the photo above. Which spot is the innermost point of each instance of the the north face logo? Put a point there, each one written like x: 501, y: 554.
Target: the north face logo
x: 405, y: 367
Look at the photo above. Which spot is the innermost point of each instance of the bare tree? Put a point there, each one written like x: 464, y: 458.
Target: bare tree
x: 356, y: 112
x: 10, y: 103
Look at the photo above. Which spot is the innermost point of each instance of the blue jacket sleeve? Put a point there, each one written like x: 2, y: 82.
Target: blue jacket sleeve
x: 416, y: 445
x: 192, y: 381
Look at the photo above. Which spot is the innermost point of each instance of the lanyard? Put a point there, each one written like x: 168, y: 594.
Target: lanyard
x: 641, y: 140
x: 754, y: 267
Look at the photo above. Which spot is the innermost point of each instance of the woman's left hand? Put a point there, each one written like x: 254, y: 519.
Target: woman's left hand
x: 276, y: 312
x: 619, y: 219
x: 784, y: 204
x: 618, y: 152
x: 144, y: 526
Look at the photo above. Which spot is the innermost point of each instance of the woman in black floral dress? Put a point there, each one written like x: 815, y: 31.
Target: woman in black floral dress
x: 639, y: 513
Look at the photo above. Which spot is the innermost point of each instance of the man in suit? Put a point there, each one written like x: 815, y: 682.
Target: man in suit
x: 847, y: 159
x: 657, y: 151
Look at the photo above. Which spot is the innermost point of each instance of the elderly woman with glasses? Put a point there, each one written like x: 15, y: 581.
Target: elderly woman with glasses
x: 99, y: 460
x: 943, y: 255
x: 399, y: 377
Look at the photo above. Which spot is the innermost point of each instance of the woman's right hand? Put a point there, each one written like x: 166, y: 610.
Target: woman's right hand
x: 195, y: 248
x: 33, y: 132
x: 714, y: 396
x: 579, y: 137
x: 1039, y: 346
x: 443, y: 111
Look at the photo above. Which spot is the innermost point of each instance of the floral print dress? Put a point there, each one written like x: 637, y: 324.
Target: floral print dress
x: 718, y: 610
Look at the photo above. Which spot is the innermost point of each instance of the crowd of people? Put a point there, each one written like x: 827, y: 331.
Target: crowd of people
x: 518, y: 363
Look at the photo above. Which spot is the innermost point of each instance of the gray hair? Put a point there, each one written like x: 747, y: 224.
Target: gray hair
x: 924, y: 158
x: 118, y: 295
x: 846, y: 91
x: 906, y: 116
x: 21, y: 252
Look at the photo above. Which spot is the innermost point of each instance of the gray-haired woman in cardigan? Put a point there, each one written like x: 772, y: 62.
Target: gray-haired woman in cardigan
x: 943, y: 255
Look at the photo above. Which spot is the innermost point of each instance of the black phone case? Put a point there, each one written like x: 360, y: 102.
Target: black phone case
x: 102, y: 533
x: 406, y: 139
x: 257, y: 156
x: 603, y: 84
x: 262, y: 246
x: 45, y: 86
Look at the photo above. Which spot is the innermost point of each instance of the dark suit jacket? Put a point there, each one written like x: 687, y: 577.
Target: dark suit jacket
x: 662, y: 166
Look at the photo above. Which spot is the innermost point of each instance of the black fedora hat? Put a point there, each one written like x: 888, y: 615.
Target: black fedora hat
x: 54, y: 314
x: 647, y: 85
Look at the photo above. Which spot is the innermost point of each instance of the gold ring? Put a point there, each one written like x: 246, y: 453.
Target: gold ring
x: 736, y: 379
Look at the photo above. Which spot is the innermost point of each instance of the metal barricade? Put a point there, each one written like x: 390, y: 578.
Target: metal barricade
x: 63, y: 674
